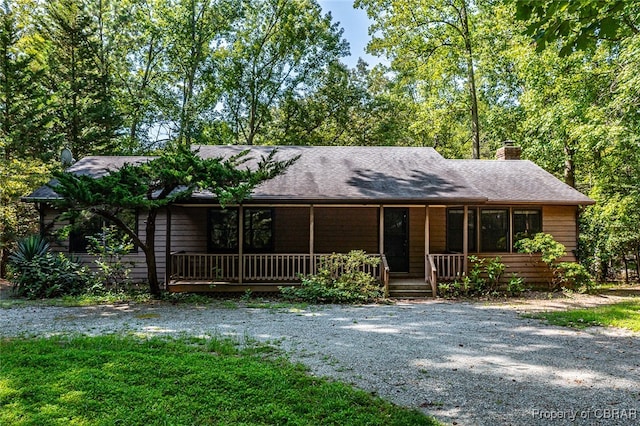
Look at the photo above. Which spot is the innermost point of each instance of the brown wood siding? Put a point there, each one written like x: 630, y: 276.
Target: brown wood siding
x: 437, y: 229
x: 534, y: 272
x: 291, y: 230
x: 560, y: 221
x: 189, y: 229
x: 139, y: 269
x: 342, y: 229
x: 416, y: 241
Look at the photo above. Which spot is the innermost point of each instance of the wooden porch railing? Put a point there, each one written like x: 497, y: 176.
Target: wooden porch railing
x: 446, y: 267
x: 276, y: 267
x: 256, y: 267
x: 204, y: 267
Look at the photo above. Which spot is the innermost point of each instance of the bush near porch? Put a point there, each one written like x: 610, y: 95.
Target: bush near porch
x: 340, y: 279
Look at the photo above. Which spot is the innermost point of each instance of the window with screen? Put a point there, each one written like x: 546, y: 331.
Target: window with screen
x: 455, y: 228
x: 258, y: 230
x: 91, y: 225
x: 494, y: 231
x: 526, y: 223
x: 223, y: 231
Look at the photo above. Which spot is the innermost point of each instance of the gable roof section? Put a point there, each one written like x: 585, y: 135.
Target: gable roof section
x: 339, y: 174
x: 356, y: 174
x: 517, y: 182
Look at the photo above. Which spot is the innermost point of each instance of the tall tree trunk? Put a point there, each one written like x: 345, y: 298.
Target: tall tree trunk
x: 471, y: 81
x: 569, y: 166
x: 150, y: 252
x: 638, y: 263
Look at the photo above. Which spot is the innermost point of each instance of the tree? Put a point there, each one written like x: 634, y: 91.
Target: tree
x: 79, y: 77
x: 430, y: 42
x: 278, y: 48
x: 198, y: 33
x: 17, y: 220
x: 139, y: 47
x: 578, y: 25
x: 158, y: 183
x: 25, y: 110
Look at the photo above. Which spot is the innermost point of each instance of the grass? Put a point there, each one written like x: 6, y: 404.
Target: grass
x: 144, y: 297
x: 108, y: 380
x: 622, y: 315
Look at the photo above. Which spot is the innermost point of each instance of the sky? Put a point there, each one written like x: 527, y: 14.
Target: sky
x: 356, y: 24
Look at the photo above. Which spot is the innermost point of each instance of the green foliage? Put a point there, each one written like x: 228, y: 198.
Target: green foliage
x: 568, y: 274
x: 110, y: 247
x: 158, y: 182
x: 483, y: 279
x: 29, y: 248
x: 515, y: 286
x: 550, y: 250
x: 267, y: 64
x: 340, y: 279
x: 578, y: 24
x: 574, y: 275
x: 102, y: 380
x: 38, y: 273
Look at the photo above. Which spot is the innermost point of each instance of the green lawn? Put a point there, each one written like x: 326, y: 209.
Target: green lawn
x: 622, y: 315
x: 110, y: 380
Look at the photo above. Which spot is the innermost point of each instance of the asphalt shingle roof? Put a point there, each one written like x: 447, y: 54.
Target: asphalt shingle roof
x: 355, y: 174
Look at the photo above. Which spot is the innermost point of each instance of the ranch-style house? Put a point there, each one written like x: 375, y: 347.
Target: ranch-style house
x: 422, y: 214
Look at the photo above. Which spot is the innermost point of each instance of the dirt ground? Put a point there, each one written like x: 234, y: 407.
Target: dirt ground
x: 530, y: 302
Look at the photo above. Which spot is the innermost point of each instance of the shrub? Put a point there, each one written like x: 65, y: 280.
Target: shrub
x: 110, y: 247
x: 340, y: 279
x: 515, y: 286
x: 567, y: 274
x: 38, y: 273
x: 483, y: 279
x: 574, y: 275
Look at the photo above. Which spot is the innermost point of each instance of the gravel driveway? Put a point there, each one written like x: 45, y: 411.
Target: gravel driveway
x: 464, y: 363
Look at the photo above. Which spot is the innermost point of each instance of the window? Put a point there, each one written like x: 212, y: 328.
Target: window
x: 526, y: 223
x: 223, y: 230
x: 455, y: 227
x: 90, y: 225
x: 494, y: 230
x: 258, y: 230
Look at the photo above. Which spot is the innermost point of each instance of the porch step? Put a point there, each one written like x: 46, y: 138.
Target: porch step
x: 409, y: 294
x: 409, y: 289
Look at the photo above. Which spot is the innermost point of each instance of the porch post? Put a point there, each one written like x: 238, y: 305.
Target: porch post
x: 312, y: 263
x: 381, y: 230
x: 167, y: 263
x: 465, y: 238
x: 240, y: 243
x: 427, y: 231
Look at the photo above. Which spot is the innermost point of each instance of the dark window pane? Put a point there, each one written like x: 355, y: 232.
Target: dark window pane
x: 223, y: 230
x: 81, y: 229
x: 455, y: 225
x: 93, y: 225
x: 526, y: 223
x: 258, y: 230
x: 494, y: 234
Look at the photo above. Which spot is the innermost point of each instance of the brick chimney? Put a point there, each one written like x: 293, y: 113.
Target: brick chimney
x: 508, y: 151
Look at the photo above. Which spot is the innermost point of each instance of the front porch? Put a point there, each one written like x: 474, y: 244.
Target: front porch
x: 261, y: 247
x: 200, y: 272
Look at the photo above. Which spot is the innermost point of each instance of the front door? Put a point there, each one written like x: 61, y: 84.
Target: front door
x: 396, y: 238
